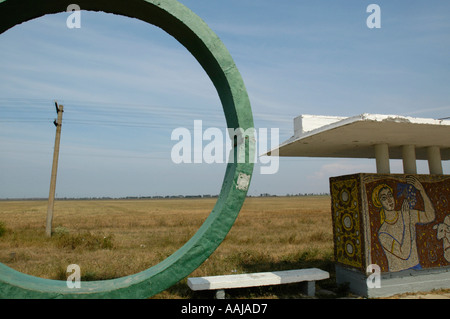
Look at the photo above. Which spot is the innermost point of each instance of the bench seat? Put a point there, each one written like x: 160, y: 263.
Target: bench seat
x: 219, y: 283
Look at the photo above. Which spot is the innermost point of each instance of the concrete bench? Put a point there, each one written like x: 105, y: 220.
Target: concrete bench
x: 220, y: 283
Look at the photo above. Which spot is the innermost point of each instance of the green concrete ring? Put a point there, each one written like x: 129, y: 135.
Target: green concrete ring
x: 206, y: 47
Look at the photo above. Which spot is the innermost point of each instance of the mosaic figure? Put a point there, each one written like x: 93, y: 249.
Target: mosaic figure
x: 443, y: 233
x: 397, y: 233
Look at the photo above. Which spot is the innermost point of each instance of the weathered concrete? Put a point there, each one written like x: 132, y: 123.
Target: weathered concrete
x: 411, y: 281
x: 355, y: 137
x: 309, y: 276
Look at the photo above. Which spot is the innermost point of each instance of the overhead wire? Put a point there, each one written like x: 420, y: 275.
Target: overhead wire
x: 107, y: 114
x: 20, y: 110
x: 101, y: 113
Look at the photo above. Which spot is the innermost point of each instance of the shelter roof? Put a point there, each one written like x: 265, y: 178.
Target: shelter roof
x: 355, y: 137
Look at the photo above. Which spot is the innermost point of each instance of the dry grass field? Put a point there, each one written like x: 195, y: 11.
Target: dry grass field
x: 115, y: 238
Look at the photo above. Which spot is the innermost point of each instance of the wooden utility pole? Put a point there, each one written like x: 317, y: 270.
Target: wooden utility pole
x: 51, y: 196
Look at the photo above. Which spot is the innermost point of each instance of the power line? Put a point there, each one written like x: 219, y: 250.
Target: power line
x: 112, y: 123
x: 108, y: 117
x: 108, y: 107
x: 24, y: 120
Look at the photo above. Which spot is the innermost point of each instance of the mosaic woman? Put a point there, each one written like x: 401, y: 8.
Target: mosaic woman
x: 397, y: 233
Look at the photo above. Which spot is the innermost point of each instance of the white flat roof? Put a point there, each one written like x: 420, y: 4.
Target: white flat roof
x: 355, y: 137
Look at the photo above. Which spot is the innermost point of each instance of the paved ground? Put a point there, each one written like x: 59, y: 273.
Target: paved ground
x: 427, y: 296
x: 435, y: 294
x: 441, y: 294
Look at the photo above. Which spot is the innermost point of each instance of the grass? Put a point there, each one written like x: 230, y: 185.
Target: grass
x: 114, y: 238
x: 2, y: 229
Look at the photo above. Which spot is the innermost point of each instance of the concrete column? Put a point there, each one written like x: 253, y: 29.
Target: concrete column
x: 382, y: 158
x: 434, y: 160
x: 409, y: 159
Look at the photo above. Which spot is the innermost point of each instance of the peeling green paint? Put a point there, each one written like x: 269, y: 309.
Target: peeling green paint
x: 210, y: 52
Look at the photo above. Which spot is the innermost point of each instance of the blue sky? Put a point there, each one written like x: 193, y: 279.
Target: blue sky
x: 126, y: 85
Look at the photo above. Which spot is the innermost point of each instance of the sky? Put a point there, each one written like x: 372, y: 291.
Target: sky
x: 127, y: 85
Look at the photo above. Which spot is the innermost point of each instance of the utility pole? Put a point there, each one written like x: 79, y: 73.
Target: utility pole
x: 51, y: 196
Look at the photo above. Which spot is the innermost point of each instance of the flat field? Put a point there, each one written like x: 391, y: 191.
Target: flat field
x: 114, y: 238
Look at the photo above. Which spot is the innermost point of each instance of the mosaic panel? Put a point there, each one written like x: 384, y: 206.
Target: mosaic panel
x: 396, y: 221
x: 347, y: 230
x: 409, y: 221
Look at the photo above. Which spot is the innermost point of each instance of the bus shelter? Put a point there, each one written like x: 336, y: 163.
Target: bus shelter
x: 391, y: 232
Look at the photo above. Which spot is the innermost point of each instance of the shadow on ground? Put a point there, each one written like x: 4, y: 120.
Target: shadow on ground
x: 325, y: 289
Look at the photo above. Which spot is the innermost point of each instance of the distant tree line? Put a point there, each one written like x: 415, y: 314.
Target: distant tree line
x: 291, y: 195
x: 164, y: 197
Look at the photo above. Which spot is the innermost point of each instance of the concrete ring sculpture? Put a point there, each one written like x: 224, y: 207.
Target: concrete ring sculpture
x: 207, y: 48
